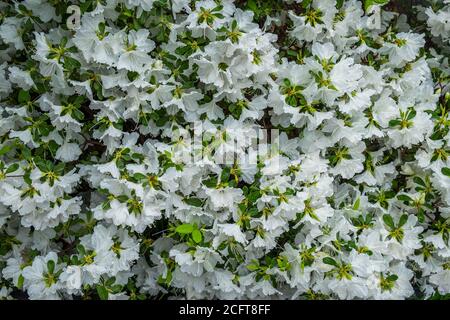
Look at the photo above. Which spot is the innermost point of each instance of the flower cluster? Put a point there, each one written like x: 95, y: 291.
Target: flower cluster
x: 108, y: 191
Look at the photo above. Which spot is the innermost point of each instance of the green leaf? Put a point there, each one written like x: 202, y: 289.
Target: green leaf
x: 139, y: 176
x: 71, y: 63
x: 251, y: 4
x: 102, y: 292
x: 389, y: 194
x: 253, y: 267
x: 110, y: 281
x: 388, y: 220
x: 116, y: 288
x: 197, y: 236
x: 77, y: 115
x: 445, y: 171
x: 81, y: 249
x: 12, y: 168
x: 234, y: 24
x: 392, y: 277
x: 218, y: 8
x: 26, y: 153
x: 182, y: 50
x: 330, y: 261
x: 5, y: 149
x: 306, y: 3
x: 63, y: 42
x: 211, y: 182
x: 445, y: 236
x: 101, y: 27
x: 421, y: 215
x: 356, y: 204
x: 404, y: 197
x: 419, y: 181
x: 394, y: 123
x: 20, y: 281
x: 185, y: 228
x: 225, y: 176
x: 196, y: 202
x: 411, y: 115
x: 59, y: 168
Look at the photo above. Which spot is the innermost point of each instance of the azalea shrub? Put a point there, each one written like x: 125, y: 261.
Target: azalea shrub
x: 103, y: 195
